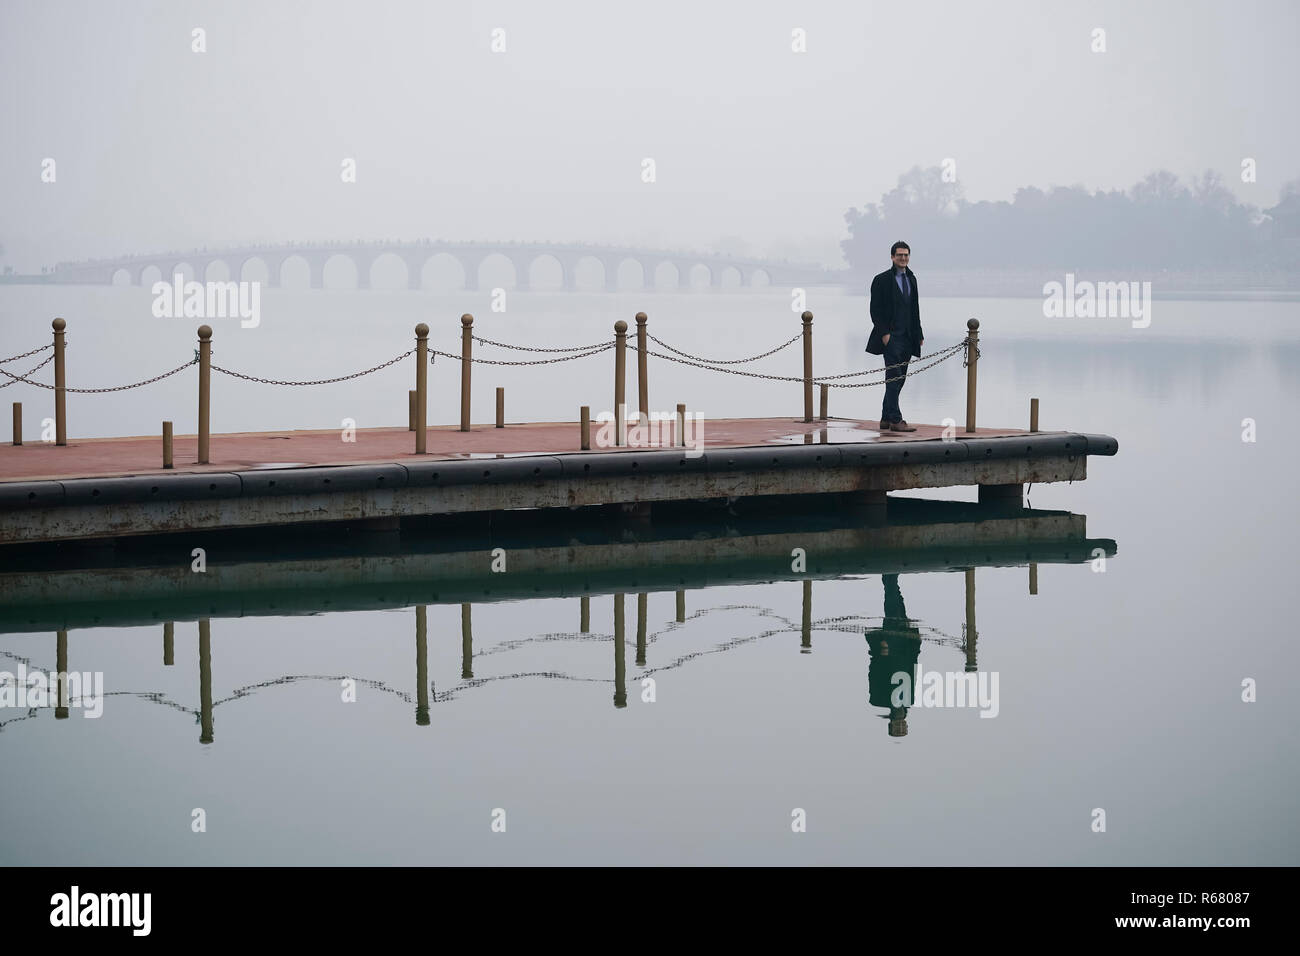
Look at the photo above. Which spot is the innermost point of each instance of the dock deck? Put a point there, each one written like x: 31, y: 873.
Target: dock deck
x: 108, y: 488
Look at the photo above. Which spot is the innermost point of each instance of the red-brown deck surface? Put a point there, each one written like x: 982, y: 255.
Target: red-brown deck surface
x: 100, y: 457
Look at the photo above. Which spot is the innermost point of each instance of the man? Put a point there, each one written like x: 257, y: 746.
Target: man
x: 895, y: 331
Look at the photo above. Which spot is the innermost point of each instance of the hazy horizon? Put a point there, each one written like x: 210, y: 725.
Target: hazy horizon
x: 757, y: 149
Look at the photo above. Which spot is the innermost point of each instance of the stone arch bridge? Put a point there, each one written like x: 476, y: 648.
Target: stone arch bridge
x: 568, y: 266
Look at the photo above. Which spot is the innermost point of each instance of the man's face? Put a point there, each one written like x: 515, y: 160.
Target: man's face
x: 901, y: 257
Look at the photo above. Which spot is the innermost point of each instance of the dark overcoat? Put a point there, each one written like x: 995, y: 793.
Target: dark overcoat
x: 886, y: 298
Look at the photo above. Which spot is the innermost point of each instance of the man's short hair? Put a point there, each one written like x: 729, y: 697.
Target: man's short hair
x: 899, y: 245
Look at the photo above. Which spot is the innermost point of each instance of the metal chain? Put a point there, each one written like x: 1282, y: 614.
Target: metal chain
x: 564, y: 358
x: 89, y: 391
x: 323, y: 381
x: 529, y: 348
x: 14, y: 358
x: 827, y: 379
x: 23, y: 377
x: 697, y: 358
x: 965, y: 360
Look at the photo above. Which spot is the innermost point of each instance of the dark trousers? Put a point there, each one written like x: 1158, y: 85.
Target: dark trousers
x: 898, y: 350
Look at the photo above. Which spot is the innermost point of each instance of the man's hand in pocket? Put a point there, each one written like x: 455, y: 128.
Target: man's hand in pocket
x: 885, y: 340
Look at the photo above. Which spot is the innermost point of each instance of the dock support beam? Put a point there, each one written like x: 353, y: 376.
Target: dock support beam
x: 421, y: 386
x: 972, y: 357
x: 807, y: 367
x: 60, y: 386
x: 620, y: 382
x: 205, y: 392
x: 466, y: 360
x: 643, y: 386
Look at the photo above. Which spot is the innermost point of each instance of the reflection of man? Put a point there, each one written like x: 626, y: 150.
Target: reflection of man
x: 894, y: 647
x: 895, y: 331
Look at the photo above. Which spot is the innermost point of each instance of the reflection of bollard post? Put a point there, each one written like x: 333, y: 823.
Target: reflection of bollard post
x: 641, y: 607
x: 620, y: 655
x: 61, y: 676
x: 466, y: 362
x: 466, y: 643
x: 643, y: 386
x: 169, y: 643
x: 620, y: 379
x: 205, y: 680
x: 584, y: 615
x: 421, y: 386
x: 1033, y: 577
x: 972, y: 357
x: 205, y: 392
x: 971, y: 635
x: 681, y: 607
x: 60, y: 386
x: 167, y: 445
x: 807, y: 367
x: 421, y: 666
x: 806, y: 646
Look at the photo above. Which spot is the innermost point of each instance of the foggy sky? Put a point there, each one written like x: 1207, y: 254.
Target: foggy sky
x: 158, y: 147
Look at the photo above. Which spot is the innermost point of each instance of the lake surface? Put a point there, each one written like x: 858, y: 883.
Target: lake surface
x: 1119, y: 689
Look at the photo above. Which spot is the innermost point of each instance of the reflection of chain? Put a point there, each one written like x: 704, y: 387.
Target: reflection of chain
x: 323, y: 381
x: 697, y: 358
x: 15, y: 358
x: 530, y: 348
x: 549, y: 361
x: 23, y: 377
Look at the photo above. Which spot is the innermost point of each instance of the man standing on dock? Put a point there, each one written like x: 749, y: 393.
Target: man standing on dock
x: 895, y: 331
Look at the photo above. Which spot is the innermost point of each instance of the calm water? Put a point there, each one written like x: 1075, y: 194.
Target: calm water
x: 1118, y: 690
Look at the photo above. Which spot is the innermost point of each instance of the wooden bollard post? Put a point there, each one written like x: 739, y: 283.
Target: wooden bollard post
x: 421, y: 666
x: 205, y: 681
x: 972, y: 351
x: 466, y: 347
x: 60, y: 688
x: 620, y: 379
x: 807, y: 367
x: 585, y: 414
x: 205, y: 392
x: 825, y: 395
x: 971, y: 635
x: 643, y: 386
x: 18, y: 423
x: 466, y: 641
x: 60, y: 386
x: 421, y: 386
x: 642, y: 601
x: 167, y: 444
x: 620, y: 652
x: 681, y: 424
x: 410, y: 410
x: 1033, y: 414
x: 501, y: 407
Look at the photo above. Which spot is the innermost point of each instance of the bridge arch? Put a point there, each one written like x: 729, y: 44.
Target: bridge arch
x: 588, y: 274
x: 294, y: 272
x: 389, y: 271
x: 666, y: 276
x: 443, y: 272
x: 730, y: 278
x: 217, y: 270
x: 254, y: 269
x: 340, y: 271
x: 496, y: 270
x: 546, y: 273
x: 760, y: 279
x: 150, y: 274
x: 121, y: 276
x: 630, y: 274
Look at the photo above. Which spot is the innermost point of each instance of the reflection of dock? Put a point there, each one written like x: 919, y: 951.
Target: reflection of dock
x: 52, y: 589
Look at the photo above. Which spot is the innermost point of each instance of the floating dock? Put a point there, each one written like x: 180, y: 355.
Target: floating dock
x: 110, y: 488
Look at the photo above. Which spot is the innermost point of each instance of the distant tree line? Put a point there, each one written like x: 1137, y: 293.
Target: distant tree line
x: 1160, y: 223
